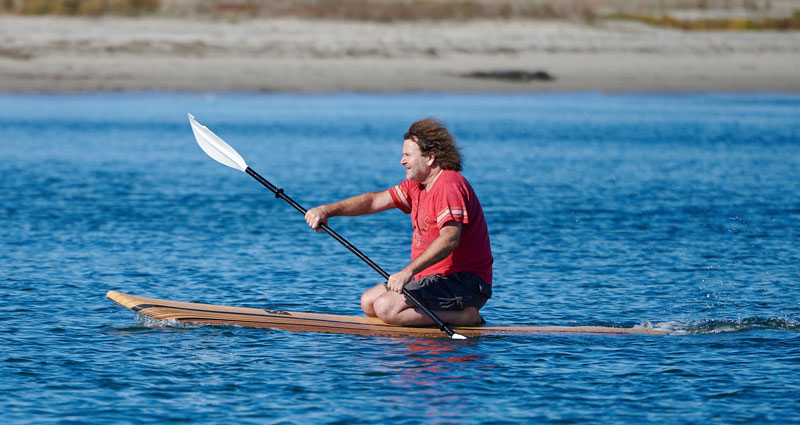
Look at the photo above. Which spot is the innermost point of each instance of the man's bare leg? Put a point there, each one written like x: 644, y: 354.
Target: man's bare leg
x: 393, y: 308
x: 368, y: 299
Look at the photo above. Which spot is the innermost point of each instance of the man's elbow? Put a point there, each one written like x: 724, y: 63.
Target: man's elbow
x: 453, y: 245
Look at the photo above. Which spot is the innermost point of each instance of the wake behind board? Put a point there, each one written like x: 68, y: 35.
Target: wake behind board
x: 331, y: 323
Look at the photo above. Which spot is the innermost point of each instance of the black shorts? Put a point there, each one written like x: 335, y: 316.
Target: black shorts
x: 454, y: 292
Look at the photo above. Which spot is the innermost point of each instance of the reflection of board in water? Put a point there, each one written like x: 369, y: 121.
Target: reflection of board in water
x: 331, y: 323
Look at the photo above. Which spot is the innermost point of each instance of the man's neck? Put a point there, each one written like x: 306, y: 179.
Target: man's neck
x: 434, y: 174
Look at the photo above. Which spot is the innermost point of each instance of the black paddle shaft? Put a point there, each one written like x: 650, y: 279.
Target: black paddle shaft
x: 280, y: 194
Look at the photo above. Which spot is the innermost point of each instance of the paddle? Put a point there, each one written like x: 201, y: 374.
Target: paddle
x: 222, y: 152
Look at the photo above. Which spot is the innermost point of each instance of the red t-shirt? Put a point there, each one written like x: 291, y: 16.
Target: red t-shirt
x: 450, y: 198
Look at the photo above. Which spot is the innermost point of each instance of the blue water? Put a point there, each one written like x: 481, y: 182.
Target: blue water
x: 676, y: 212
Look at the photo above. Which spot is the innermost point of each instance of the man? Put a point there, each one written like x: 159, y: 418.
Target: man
x: 451, y: 266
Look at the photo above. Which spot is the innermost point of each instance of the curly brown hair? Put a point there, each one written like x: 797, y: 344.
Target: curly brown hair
x: 433, y: 137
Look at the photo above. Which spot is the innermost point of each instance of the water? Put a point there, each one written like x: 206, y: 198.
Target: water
x: 677, y: 212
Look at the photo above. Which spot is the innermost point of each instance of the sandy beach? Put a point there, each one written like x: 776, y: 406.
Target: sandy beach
x: 58, y: 54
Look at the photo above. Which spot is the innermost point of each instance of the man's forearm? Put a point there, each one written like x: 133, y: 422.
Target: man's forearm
x: 366, y: 203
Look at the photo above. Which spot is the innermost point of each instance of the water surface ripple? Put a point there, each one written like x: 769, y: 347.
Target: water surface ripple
x: 676, y: 212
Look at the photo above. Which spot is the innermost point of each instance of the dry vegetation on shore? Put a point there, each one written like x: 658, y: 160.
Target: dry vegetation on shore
x: 679, y: 14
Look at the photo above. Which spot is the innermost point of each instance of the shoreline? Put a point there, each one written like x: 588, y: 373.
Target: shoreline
x: 57, y: 54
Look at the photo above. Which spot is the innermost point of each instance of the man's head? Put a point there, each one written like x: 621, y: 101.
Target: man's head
x: 435, y: 142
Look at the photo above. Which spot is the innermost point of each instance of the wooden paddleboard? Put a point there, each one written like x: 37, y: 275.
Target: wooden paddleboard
x: 331, y: 323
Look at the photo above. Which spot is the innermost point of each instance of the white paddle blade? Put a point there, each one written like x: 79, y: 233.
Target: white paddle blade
x: 216, y: 147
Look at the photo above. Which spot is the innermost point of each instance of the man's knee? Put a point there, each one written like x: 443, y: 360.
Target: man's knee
x: 368, y: 299
x: 388, y: 306
x: 382, y: 307
x: 366, y: 304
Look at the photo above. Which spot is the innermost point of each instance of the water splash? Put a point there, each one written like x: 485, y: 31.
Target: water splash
x: 718, y: 326
x: 149, y: 322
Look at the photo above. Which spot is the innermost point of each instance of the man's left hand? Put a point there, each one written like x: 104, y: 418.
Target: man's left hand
x: 398, y: 280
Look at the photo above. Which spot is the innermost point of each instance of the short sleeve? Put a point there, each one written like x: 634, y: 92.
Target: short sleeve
x: 451, y: 205
x: 401, y: 196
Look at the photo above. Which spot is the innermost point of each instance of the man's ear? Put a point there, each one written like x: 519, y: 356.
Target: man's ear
x: 431, y: 159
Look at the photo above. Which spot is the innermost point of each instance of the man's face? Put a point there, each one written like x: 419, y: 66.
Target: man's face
x: 418, y: 167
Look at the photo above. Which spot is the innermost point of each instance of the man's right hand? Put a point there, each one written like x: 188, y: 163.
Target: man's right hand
x: 317, y: 216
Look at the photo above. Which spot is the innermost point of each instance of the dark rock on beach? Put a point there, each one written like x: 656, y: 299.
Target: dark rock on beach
x: 511, y: 75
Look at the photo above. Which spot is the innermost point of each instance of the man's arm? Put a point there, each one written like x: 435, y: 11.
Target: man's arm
x: 439, y: 249
x: 368, y: 203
